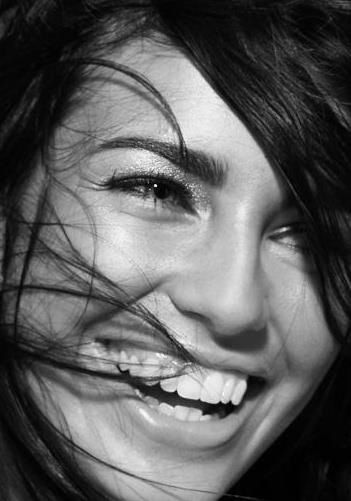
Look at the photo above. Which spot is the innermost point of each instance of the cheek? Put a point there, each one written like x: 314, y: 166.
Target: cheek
x: 307, y: 346
x: 134, y: 253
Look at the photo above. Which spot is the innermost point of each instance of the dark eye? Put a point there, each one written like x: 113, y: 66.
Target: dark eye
x: 159, y: 191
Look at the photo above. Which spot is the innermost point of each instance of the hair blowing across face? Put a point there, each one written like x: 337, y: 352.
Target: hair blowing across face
x: 284, y: 68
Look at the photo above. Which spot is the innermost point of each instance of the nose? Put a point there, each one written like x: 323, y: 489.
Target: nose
x: 224, y: 286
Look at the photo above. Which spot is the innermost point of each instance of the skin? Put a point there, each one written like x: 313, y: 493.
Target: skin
x: 229, y: 280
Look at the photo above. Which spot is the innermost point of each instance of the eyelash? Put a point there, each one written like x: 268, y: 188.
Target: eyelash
x: 145, y: 187
x: 294, y: 230
x: 179, y: 196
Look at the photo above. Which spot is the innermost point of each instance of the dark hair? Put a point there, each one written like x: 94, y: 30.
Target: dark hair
x: 284, y: 70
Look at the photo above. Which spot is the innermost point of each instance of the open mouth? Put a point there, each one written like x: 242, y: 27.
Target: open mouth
x: 183, y: 409
x: 200, y: 395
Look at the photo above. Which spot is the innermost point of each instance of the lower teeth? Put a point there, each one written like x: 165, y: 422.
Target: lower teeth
x: 179, y: 412
x: 182, y: 413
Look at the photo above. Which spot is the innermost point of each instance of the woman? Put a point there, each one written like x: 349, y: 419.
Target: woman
x: 175, y: 246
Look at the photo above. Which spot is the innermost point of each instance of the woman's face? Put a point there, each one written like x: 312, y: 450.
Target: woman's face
x: 215, y: 251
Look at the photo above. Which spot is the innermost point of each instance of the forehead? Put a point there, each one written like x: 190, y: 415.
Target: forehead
x: 116, y: 101
x: 116, y: 104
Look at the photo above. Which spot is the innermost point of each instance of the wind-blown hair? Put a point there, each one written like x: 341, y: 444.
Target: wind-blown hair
x: 284, y: 69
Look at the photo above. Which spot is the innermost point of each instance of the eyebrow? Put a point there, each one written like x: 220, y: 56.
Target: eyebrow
x: 204, y: 166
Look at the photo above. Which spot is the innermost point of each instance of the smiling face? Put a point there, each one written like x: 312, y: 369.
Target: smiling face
x: 215, y: 251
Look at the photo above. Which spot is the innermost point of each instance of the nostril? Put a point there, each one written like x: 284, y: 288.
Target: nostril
x: 243, y: 341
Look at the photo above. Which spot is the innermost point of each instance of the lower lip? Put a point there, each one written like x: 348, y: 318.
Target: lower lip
x: 192, y: 435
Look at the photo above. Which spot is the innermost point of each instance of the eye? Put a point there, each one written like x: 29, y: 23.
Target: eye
x: 293, y: 235
x: 152, y: 193
x: 160, y: 191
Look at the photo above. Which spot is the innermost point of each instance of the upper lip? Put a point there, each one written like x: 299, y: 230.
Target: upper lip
x: 234, y: 363
x: 220, y: 360
x: 131, y: 332
x: 217, y: 358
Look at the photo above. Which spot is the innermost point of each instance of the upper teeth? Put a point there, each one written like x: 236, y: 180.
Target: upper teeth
x: 206, y: 385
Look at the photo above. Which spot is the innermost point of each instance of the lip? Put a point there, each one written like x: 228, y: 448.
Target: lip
x: 221, y: 361
x: 230, y: 362
x: 193, y: 435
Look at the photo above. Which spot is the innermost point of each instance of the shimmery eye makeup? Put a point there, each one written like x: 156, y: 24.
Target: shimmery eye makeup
x: 148, y: 186
x: 162, y: 192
